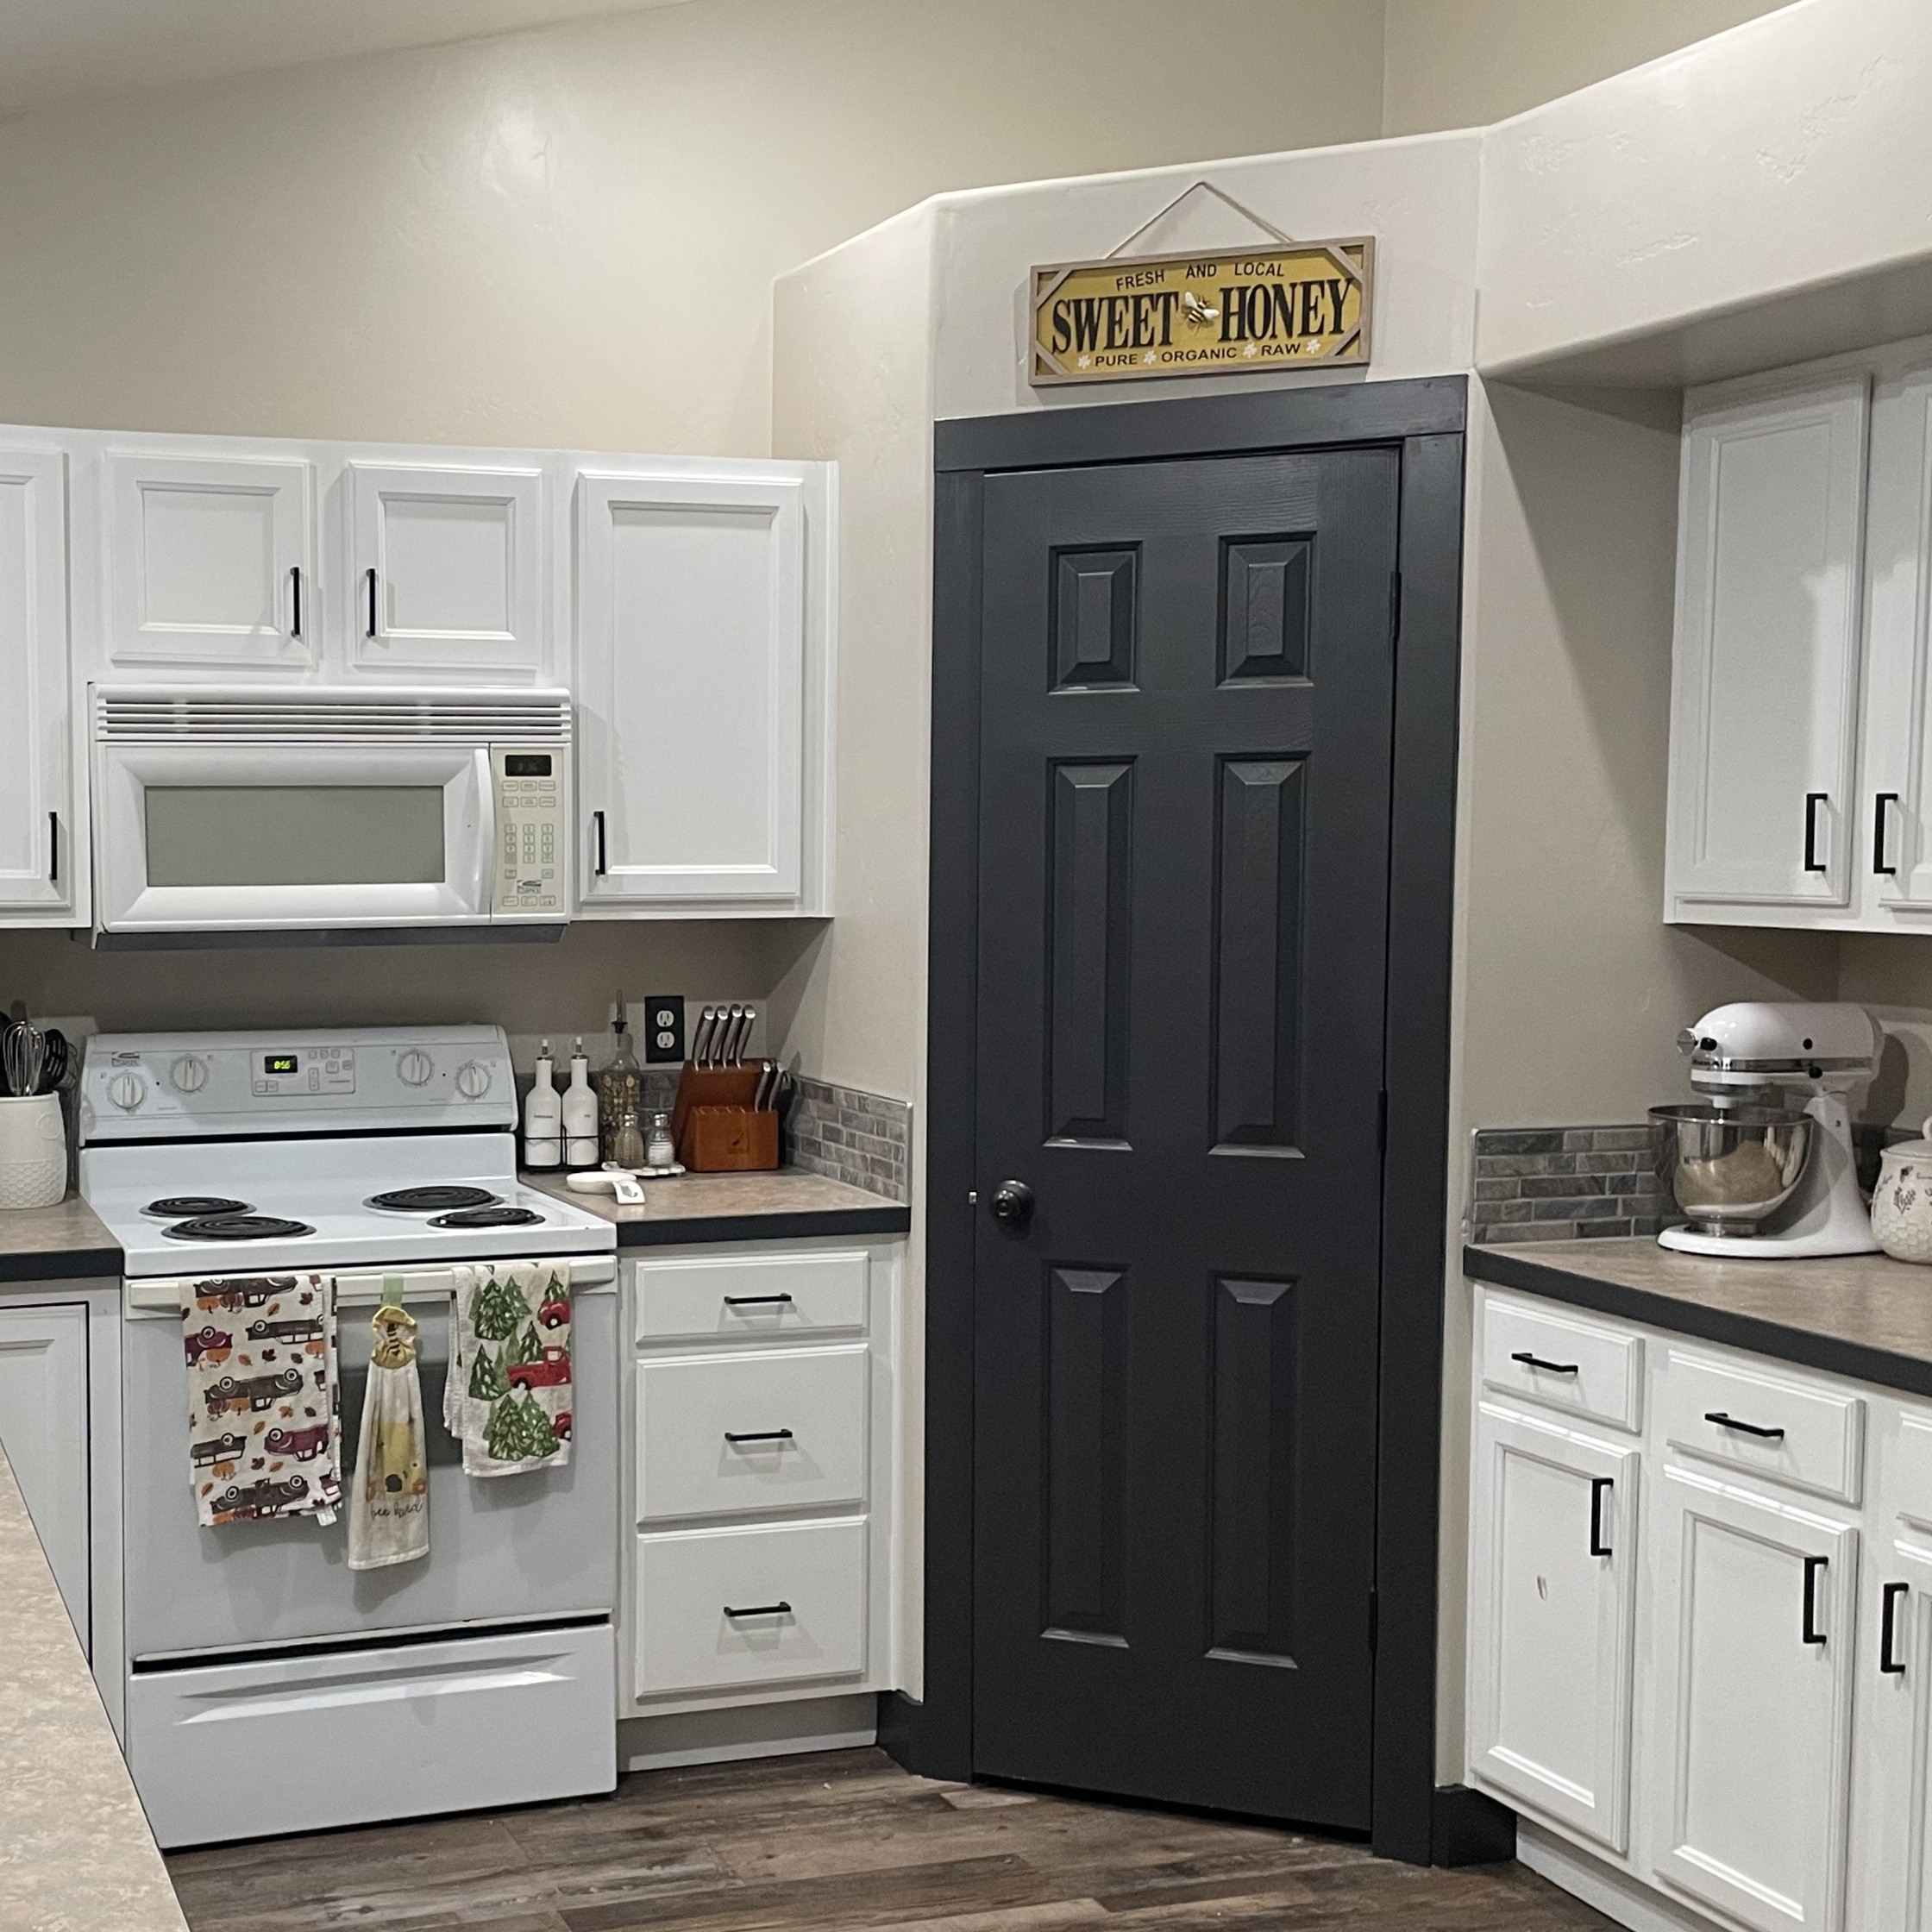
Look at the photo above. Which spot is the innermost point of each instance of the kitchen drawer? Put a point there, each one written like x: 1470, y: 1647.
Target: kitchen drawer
x: 1563, y: 1361
x: 807, y: 1406
x: 1805, y: 1434
x: 806, y: 1583
x: 758, y: 1297
x: 303, y: 1743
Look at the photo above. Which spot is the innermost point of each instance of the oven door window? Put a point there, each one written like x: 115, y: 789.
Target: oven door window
x: 294, y: 835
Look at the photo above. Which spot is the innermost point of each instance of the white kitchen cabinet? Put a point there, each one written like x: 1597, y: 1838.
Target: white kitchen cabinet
x: 208, y: 561
x: 39, y: 861
x: 1552, y: 1570
x: 44, y: 1415
x: 447, y: 569
x: 701, y: 676
x: 1764, y: 725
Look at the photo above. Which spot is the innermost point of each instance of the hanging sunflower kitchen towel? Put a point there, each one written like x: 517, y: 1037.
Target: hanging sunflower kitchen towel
x: 389, y: 1494
x: 263, y: 1435
x: 508, y: 1396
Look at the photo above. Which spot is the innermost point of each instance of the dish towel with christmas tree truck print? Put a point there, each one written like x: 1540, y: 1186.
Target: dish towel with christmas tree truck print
x: 264, y: 1430
x: 508, y: 1396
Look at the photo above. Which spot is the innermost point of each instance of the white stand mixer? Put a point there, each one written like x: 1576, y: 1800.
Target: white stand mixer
x: 1745, y: 1059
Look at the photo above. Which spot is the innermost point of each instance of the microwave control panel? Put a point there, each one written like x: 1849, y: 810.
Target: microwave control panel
x: 528, y: 871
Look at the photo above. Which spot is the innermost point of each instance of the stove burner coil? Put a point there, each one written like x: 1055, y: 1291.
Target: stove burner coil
x: 432, y: 1199
x: 499, y: 1216
x: 236, y: 1227
x: 180, y: 1207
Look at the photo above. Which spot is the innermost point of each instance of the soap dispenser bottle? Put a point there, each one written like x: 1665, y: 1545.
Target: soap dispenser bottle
x: 543, y: 1115
x: 580, y: 1113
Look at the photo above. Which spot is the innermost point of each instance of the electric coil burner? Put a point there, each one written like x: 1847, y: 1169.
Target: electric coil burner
x: 433, y: 1200
x: 182, y: 1206
x: 499, y: 1216
x: 236, y: 1227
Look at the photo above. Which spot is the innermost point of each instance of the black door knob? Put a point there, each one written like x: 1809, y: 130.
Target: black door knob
x: 1012, y: 1203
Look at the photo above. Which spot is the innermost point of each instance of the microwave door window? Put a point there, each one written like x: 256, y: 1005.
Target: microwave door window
x: 294, y: 835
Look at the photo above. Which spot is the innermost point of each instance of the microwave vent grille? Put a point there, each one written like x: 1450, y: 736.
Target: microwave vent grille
x: 392, y: 718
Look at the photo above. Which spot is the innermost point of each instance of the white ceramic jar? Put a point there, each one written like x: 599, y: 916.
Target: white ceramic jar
x: 1902, y: 1201
x: 33, y: 1152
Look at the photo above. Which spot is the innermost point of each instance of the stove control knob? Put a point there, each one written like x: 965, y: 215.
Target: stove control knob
x: 126, y: 1091
x: 189, y: 1075
x: 473, y: 1080
x: 415, y: 1067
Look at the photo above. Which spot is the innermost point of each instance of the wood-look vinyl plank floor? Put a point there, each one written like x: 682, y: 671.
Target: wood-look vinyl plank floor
x: 842, y: 1842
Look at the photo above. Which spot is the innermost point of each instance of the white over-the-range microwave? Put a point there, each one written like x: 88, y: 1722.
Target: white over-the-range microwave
x: 319, y: 811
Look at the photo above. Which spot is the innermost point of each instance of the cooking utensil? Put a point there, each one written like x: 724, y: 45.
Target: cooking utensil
x: 1902, y: 1201
x: 1733, y: 1166
x: 728, y: 1046
x: 60, y: 1060
x: 701, y: 1041
x: 25, y: 1057
x: 768, y: 1072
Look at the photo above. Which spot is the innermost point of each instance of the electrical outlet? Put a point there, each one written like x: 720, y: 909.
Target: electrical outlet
x: 663, y: 1028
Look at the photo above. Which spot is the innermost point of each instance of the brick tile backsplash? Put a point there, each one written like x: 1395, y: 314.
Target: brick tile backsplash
x: 848, y: 1134
x: 1568, y: 1184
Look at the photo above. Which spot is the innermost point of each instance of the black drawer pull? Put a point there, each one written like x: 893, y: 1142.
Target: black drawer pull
x: 759, y: 1435
x: 1599, y: 1486
x: 1725, y: 1422
x: 753, y: 1300
x: 1530, y: 1361
x: 760, y: 1609
x: 1891, y: 1663
x: 1813, y: 1564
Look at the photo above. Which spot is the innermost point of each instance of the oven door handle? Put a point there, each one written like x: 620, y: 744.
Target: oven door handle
x: 589, y: 1274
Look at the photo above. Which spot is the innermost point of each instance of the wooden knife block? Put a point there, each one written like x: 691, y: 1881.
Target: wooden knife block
x: 716, y: 1129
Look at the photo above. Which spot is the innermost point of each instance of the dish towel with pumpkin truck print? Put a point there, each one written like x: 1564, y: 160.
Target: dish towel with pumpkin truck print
x: 264, y: 1433
x: 508, y: 1396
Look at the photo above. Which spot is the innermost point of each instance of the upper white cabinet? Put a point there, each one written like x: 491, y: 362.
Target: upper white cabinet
x: 702, y: 673
x: 38, y: 853
x: 208, y: 561
x: 1765, y: 714
x: 446, y: 569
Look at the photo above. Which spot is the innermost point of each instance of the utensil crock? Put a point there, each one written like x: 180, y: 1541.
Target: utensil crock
x: 33, y: 1152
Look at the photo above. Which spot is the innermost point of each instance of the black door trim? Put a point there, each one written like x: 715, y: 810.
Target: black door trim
x: 1425, y: 419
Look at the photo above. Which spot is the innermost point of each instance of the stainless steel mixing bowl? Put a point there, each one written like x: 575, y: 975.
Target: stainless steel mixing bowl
x: 1732, y: 1167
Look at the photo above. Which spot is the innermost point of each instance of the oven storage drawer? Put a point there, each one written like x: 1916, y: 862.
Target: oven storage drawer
x: 756, y: 1298
x: 721, y: 1435
x: 799, y: 1591
x: 298, y: 1744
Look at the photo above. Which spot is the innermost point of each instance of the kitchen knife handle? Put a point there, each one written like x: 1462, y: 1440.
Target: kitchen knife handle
x: 1878, y: 863
x: 372, y: 596
x: 1812, y: 801
x: 596, y: 825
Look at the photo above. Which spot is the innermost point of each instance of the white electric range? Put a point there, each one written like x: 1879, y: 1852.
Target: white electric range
x: 482, y: 1674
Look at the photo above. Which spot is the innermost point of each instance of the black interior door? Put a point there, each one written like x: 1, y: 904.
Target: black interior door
x: 1186, y: 716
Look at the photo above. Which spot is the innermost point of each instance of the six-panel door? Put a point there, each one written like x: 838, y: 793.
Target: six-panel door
x: 38, y: 865
x: 44, y: 1431
x: 1552, y: 1581
x: 1753, y: 1641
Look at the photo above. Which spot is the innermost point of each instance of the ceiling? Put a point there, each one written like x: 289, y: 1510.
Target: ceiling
x: 51, y: 50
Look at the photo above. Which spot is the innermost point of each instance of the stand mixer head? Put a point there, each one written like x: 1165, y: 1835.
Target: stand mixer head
x: 1764, y: 1165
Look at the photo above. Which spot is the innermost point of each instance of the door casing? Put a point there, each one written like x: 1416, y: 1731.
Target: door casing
x: 1424, y: 419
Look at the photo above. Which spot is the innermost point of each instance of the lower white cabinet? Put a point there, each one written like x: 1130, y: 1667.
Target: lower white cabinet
x: 44, y: 1412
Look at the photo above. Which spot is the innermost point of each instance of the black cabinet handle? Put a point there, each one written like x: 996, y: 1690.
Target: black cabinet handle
x: 1878, y: 863
x: 1888, y: 1631
x: 1530, y: 1361
x: 760, y: 1435
x: 760, y: 1609
x: 373, y: 594
x: 753, y: 1301
x: 1600, y: 1487
x: 1725, y: 1422
x: 597, y: 826
x: 54, y: 848
x: 1812, y: 801
x: 1813, y: 1564
x: 295, y: 600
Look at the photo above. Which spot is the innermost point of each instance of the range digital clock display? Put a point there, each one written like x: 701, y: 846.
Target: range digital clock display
x: 280, y: 1063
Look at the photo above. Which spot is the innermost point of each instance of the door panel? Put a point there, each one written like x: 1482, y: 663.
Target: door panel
x: 1188, y: 678
x: 37, y: 863
x: 44, y: 1431
x: 1890, y: 1875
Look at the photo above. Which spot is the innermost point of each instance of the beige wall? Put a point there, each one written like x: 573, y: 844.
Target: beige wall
x: 1466, y: 63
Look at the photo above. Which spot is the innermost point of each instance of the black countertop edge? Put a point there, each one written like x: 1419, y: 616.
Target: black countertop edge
x: 62, y: 1264
x: 802, y: 1225
x: 1504, y: 1267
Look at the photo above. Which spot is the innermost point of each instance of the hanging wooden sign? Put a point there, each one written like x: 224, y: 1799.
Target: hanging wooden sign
x: 1297, y: 306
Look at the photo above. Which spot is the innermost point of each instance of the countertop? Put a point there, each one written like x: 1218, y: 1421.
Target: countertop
x: 76, y: 1855
x: 786, y: 1205
x: 1863, y: 1316
x: 56, y: 1244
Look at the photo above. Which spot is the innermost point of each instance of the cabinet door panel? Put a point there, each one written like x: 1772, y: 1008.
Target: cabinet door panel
x: 1755, y: 1638
x: 457, y: 555
x: 202, y: 559
x: 1764, y: 683
x: 1892, y: 1797
x: 1552, y: 1564
x: 36, y: 858
x: 690, y: 672
x: 43, y: 1429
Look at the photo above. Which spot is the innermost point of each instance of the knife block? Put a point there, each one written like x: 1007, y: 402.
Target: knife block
x: 716, y: 1129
